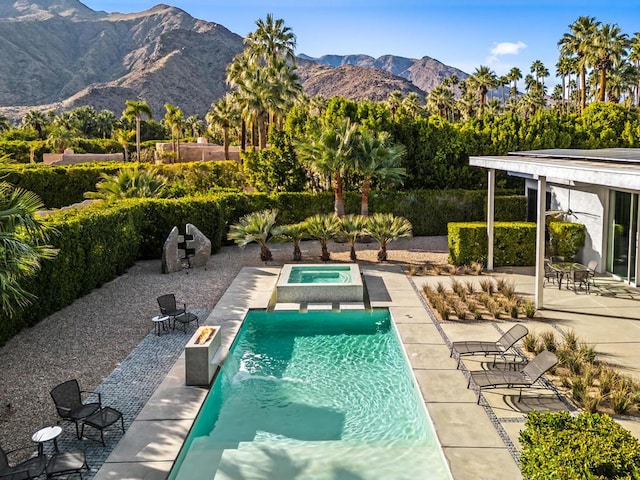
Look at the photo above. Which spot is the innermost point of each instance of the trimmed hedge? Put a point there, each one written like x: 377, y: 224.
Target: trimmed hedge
x: 566, y: 239
x: 555, y: 445
x: 514, y: 243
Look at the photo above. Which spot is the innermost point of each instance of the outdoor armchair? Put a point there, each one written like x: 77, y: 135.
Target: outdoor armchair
x: 592, y: 265
x: 30, y: 468
x: 579, y: 278
x: 529, y: 375
x: 169, y: 308
x: 68, y: 400
x: 499, y: 347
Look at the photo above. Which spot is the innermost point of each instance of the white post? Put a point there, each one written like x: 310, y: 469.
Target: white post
x: 540, y: 242
x: 491, y: 187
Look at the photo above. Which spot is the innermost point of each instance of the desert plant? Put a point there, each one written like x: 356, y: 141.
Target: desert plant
x: 570, y: 339
x: 293, y: 233
x: 509, y: 290
x: 591, y: 402
x: 129, y: 183
x: 495, y: 309
x: 323, y: 228
x: 487, y: 285
x: 586, y: 352
x: 469, y: 287
x: 458, y: 288
x: 477, y: 268
x: 384, y: 228
x: 621, y: 400
x: 548, y: 339
x: 531, y: 342
x: 443, y: 309
x: 440, y: 288
x: 607, y: 379
x: 589, y: 374
x: 460, y: 309
x: 500, y: 284
x: 529, y: 309
x: 351, y: 226
x: 578, y: 390
x: 255, y: 227
x: 514, y: 309
x: 437, y: 270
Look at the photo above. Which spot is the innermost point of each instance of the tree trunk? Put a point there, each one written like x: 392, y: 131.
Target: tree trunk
x: 583, y: 88
x: 265, y: 253
x: 262, y: 132
x: 178, y: 147
x: 243, y: 135
x: 226, y: 142
x: 325, y: 257
x: 297, y: 253
x: 352, y: 255
x: 382, y: 253
x: 338, y: 195
x: 138, y: 137
x: 603, y: 85
x: 364, y: 206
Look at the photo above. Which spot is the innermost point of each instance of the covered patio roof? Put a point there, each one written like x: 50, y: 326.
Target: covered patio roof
x: 616, y: 168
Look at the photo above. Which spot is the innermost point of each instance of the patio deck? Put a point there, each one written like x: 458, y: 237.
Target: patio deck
x: 477, y: 440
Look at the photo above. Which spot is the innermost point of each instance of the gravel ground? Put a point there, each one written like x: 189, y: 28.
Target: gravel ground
x: 90, y: 338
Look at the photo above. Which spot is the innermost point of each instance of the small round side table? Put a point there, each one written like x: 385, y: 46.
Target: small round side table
x: 46, y: 434
x: 160, y: 322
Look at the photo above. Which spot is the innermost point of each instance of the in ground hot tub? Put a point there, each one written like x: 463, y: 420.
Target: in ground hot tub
x: 320, y: 283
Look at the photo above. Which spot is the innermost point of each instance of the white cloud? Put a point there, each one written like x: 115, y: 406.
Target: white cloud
x: 505, y: 48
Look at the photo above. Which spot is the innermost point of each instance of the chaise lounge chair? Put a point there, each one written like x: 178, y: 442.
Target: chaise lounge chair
x: 68, y: 400
x: 500, y: 347
x: 529, y: 375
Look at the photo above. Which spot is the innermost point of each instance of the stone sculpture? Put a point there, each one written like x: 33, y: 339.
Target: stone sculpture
x: 191, y: 250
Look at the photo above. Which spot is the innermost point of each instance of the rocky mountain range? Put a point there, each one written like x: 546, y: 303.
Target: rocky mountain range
x: 61, y: 55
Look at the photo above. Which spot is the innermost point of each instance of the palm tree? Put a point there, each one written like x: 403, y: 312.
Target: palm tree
x: 502, y: 82
x: 564, y: 68
x: 319, y: 104
x: 443, y: 100
x: 105, y: 122
x: 270, y: 42
x: 608, y: 49
x: 255, y: 227
x: 22, y: 245
x: 483, y: 79
x: 577, y: 43
x: 384, y: 228
x: 173, y: 120
x: 412, y: 104
x: 5, y: 124
x: 351, y: 227
x: 222, y: 113
x: 294, y: 233
x: 514, y: 75
x: 123, y: 137
x: 129, y: 183
x: 329, y: 151
x: 394, y: 102
x: 323, y: 228
x: 194, y: 125
x: 377, y: 159
x: 38, y: 121
x: 135, y: 109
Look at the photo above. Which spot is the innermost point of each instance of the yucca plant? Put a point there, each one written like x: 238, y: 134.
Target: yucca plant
x: 487, y: 286
x: 549, y: 341
x: 129, y: 183
x: 385, y: 228
x: 293, y: 233
x: 351, y: 226
x: 323, y: 228
x: 255, y: 227
x: 607, y: 379
x: 470, y: 287
x: 531, y: 342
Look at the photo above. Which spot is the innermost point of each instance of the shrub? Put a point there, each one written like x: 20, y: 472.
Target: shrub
x: 531, y: 343
x: 589, y: 446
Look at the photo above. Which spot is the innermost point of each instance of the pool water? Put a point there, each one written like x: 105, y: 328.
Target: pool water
x: 320, y: 395
x: 320, y: 274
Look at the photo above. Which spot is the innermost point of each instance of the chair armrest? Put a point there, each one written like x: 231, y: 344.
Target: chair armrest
x: 94, y: 393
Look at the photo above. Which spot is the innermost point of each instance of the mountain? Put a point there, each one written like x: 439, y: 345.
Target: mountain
x: 63, y: 55
x: 425, y: 73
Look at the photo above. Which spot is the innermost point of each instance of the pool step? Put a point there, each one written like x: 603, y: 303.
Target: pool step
x: 304, y: 307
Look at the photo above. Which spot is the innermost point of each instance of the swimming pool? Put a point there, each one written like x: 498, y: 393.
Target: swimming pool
x: 320, y: 274
x: 320, y: 395
x: 318, y: 283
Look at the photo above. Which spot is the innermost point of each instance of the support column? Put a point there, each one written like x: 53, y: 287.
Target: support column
x: 540, y: 243
x: 491, y: 192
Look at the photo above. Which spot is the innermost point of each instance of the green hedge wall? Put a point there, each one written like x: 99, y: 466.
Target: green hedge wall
x: 555, y: 445
x: 514, y: 243
x: 566, y: 238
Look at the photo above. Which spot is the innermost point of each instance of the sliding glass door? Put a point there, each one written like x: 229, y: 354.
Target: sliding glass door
x: 623, y: 230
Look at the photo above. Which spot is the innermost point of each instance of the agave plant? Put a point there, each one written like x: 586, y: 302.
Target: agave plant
x: 384, y: 228
x: 324, y: 228
x: 294, y: 233
x: 351, y: 226
x: 255, y: 227
x: 129, y: 183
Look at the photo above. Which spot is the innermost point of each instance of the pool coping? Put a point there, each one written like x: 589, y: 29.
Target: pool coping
x: 472, y: 446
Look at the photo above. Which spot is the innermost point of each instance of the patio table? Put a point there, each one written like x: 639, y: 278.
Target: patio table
x: 566, y: 268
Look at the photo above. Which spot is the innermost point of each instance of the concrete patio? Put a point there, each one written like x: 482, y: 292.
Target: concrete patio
x: 477, y: 440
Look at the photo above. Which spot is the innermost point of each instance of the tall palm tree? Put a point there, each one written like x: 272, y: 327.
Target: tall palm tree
x: 634, y: 56
x: 222, y: 113
x: 377, y: 159
x: 412, y: 104
x: 135, y: 109
x: 608, y: 49
x: 394, y: 102
x: 564, y: 68
x: 123, y: 137
x: 38, y: 121
x: 194, y: 125
x: 329, y: 151
x: 483, y: 80
x: 577, y: 43
x: 272, y: 41
x: 105, y: 122
x: 23, y: 246
x: 502, y: 82
x: 384, y: 228
x: 319, y: 104
x: 5, y: 124
x: 173, y: 120
x: 255, y: 227
x: 443, y: 100
x: 514, y: 75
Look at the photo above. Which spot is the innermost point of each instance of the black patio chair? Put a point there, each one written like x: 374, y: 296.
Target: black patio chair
x: 549, y: 272
x: 592, y: 265
x: 579, y: 278
x: 30, y: 468
x: 64, y: 464
x: 68, y: 400
x: 169, y: 308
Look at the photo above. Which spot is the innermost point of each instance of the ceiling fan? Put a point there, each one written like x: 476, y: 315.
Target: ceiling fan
x: 566, y: 214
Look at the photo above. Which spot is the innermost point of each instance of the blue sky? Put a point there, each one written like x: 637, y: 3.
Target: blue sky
x: 461, y: 33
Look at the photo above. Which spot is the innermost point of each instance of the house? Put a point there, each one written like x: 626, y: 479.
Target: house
x: 598, y: 188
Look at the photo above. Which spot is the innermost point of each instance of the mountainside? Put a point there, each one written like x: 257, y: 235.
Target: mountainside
x: 60, y: 54
x: 425, y: 73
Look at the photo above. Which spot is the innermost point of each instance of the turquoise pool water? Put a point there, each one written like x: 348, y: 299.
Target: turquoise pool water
x: 320, y: 274
x: 319, y: 395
